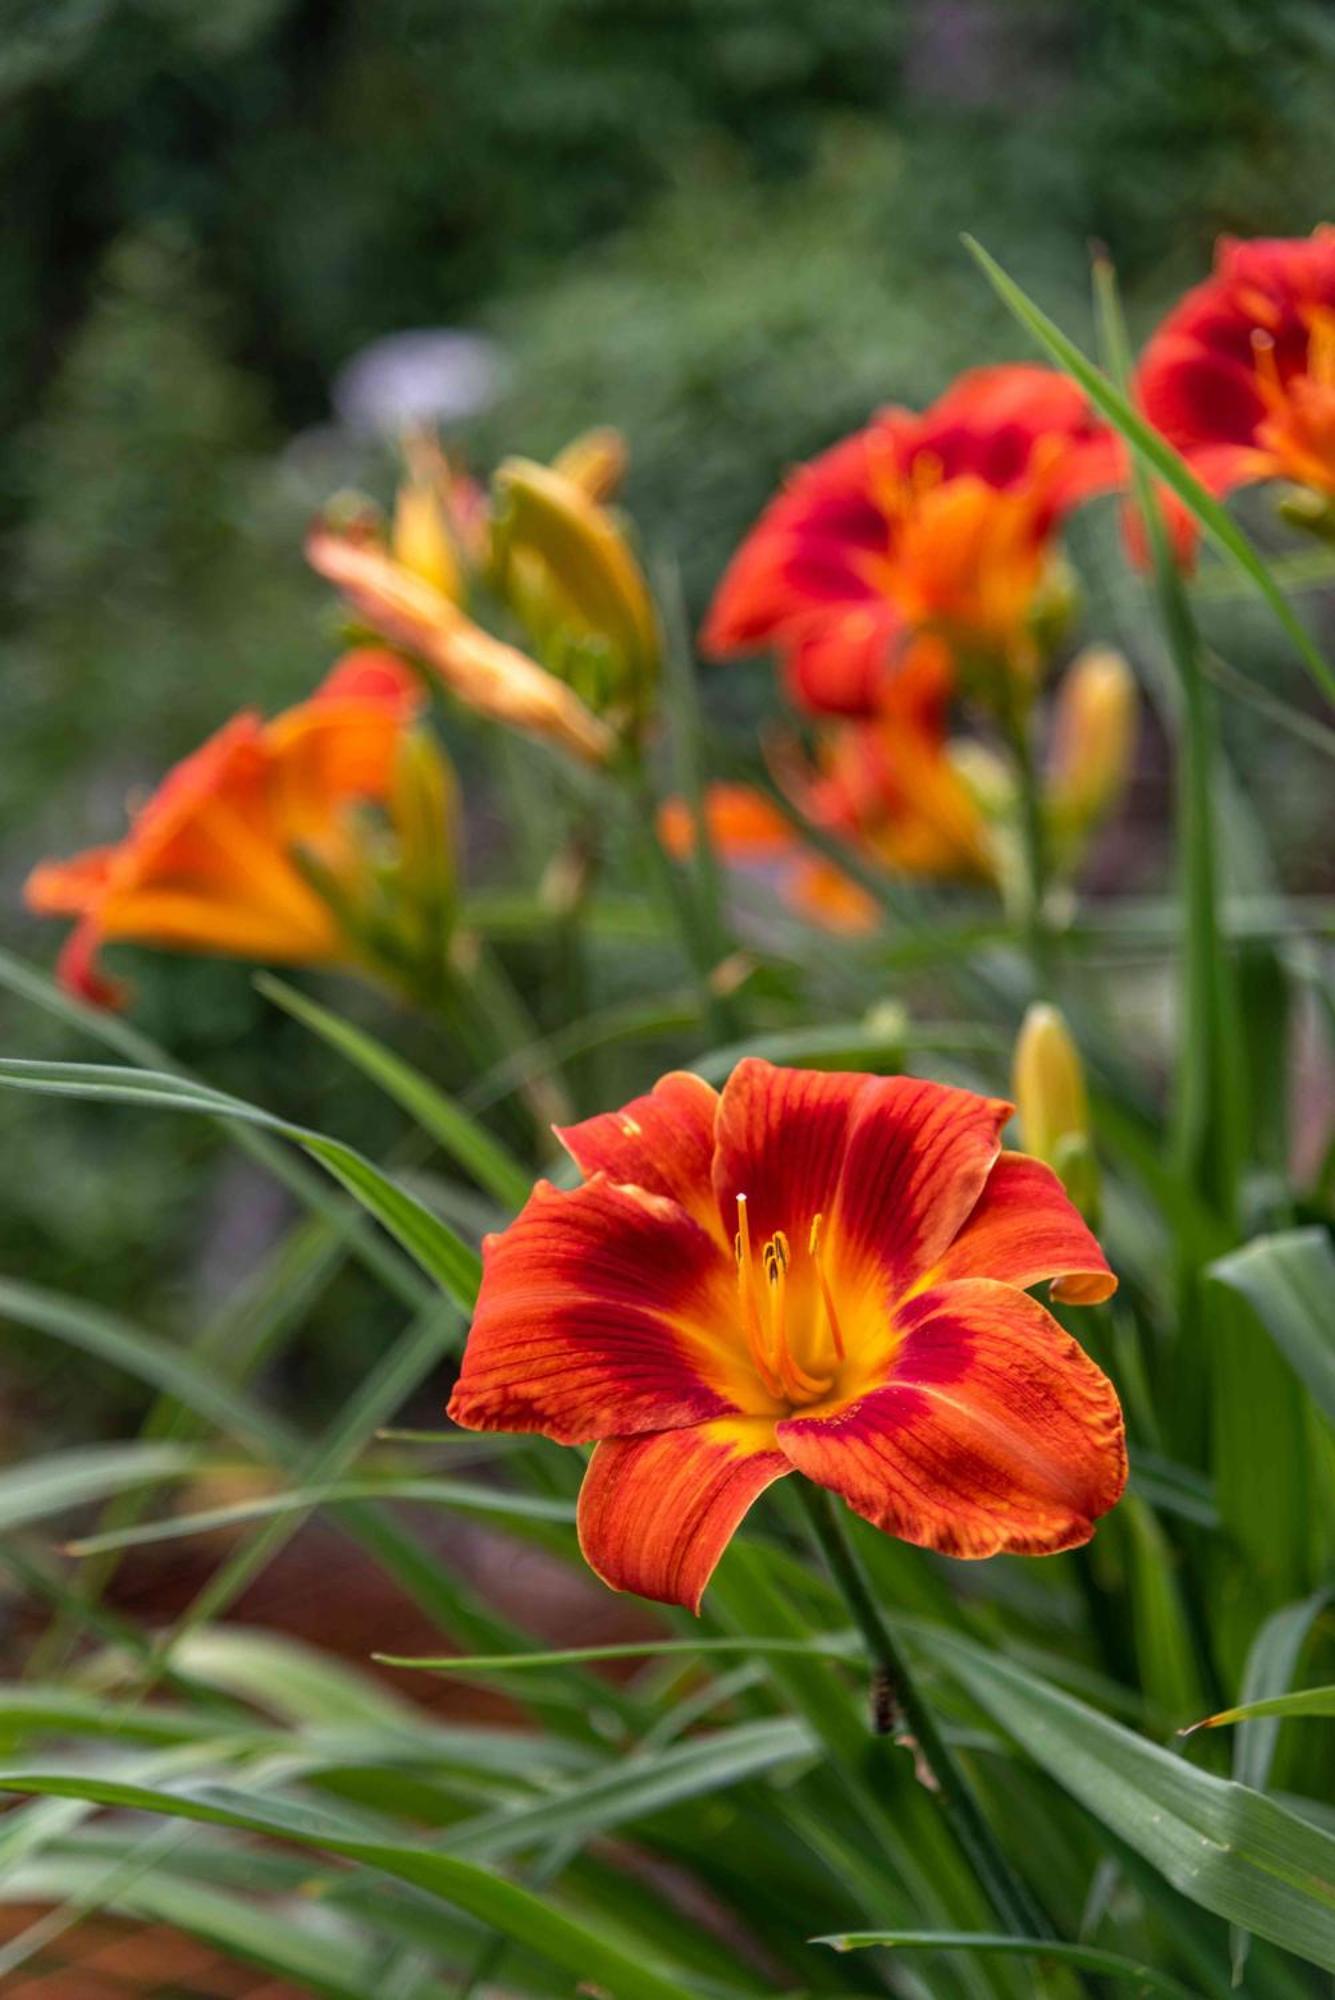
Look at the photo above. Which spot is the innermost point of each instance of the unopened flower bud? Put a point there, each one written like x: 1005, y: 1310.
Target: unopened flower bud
x: 595, y: 461
x: 568, y: 572
x: 1093, y: 741
x: 424, y: 815
x: 1055, y: 604
x: 1052, y: 1103
x: 1313, y: 512
x: 421, y: 539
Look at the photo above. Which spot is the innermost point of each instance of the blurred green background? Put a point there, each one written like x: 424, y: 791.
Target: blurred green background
x: 729, y: 226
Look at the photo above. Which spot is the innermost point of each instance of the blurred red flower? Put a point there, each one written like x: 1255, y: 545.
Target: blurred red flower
x: 1240, y: 376
x: 943, y: 521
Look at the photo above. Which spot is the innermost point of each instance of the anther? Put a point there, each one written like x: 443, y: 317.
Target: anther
x: 751, y: 1321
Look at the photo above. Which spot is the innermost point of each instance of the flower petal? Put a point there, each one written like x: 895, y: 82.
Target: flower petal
x: 994, y: 1434
x: 779, y: 1140
x: 78, y: 970
x: 657, y: 1512
x: 373, y: 673
x: 663, y: 1142
x: 840, y: 660
x: 487, y: 675
x: 742, y: 824
x: 918, y: 1155
x: 1025, y: 1228
x: 604, y: 1311
x: 69, y: 888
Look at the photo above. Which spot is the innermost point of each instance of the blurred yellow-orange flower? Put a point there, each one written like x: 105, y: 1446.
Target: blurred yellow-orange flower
x: 553, y: 555
x: 887, y: 785
x: 261, y: 844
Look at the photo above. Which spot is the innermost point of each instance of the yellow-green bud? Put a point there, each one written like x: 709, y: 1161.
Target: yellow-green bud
x: 1095, y: 715
x: 421, y: 538
x: 1052, y: 1103
x: 595, y: 461
x: 568, y: 572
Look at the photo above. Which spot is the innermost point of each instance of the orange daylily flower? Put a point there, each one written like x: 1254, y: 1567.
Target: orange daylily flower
x: 941, y: 522
x: 1240, y: 376
x: 815, y: 1273
x: 225, y: 854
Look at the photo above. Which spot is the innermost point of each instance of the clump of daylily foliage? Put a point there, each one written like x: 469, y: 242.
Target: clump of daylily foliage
x: 920, y: 1234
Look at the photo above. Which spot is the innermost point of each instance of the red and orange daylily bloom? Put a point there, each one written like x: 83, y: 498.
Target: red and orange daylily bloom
x: 912, y: 800
x: 942, y: 522
x: 806, y: 1272
x: 220, y: 857
x: 1241, y: 374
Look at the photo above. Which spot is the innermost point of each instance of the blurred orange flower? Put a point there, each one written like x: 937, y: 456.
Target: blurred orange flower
x: 941, y: 522
x: 226, y: 855
x: 887, y: 785
x: 911, y: 799
x: 818, y: 1273
x: 1240, y: 376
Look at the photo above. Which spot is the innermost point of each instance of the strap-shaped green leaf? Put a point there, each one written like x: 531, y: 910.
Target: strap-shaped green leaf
x: 441, y: 1254
x: 515, y: 1912
x: 1088, y: 1957
x: 1289, y: 1281
x: 1232, y: 1850
x: 468, y: 1144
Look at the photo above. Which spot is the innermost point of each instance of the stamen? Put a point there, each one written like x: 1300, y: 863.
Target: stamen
x: 1267, y: 369
x: 751, y: 1323
x: 1258, y: 305
x: 813, y: 1249
x: 1321, y: 346
x: 800, y: 1384
x: 765, y: 1316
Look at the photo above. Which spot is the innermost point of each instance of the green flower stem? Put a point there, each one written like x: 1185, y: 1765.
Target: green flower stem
x: 680, y: 896
x: 1207, y: 1111
x: 1039, y: 943
x: 979, y: 1845
x: 492, y: 1020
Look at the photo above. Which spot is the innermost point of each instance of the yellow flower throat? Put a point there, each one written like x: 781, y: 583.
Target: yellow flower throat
x: 771, y: 1318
